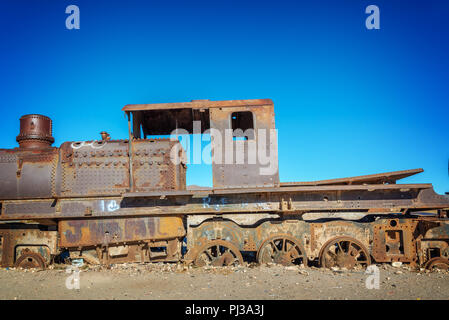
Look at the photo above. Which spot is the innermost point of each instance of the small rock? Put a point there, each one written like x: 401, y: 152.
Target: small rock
x: 335, y: 268
x: 396, y: 264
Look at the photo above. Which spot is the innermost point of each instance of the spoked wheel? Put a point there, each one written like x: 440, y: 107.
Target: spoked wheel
x: 218, y: 253
x: 30, y: 260
x: 344, y: 252
x: 438, y: 263
x: 282, y: 249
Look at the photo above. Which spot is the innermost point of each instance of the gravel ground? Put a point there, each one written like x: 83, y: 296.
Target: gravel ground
x: 176, y: 281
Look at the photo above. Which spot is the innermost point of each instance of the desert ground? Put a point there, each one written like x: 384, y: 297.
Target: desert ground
x: 178, y: 281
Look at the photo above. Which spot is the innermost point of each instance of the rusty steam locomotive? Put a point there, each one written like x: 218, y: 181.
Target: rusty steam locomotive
x: 111, y: 201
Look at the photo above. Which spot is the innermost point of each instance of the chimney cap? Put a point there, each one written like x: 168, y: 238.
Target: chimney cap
x: 35, y: 131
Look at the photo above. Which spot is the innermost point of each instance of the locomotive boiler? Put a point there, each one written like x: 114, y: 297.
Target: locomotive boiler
x: 111, y: 201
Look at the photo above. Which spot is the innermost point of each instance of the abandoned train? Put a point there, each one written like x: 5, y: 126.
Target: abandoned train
x: 111, y: 201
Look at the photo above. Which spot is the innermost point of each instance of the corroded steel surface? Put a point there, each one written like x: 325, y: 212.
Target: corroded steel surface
x: 111, y: 201
x: 20, y: 239
x: 88, y: 232
x: 385, y: 240
x: 370, y: 199
x: 198, y: 104
x: 379, y: 178
x: 394, y: 240
x: 90, y: 168
x: 244, y: 173
x: 152, y: 168
x: 35, y: 132
x: 28, y: 173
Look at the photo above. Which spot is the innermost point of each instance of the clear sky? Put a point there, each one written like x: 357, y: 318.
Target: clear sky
x: 348, y: 101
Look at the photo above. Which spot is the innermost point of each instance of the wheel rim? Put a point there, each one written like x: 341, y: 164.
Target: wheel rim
x: 30, y: 260
x: 438, y: 263
x: 218, y: 253
x: 283, y: 250
x: 346, y: 253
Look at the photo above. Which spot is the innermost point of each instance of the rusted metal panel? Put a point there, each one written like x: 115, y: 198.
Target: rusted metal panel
x: 379, y: 178
x: 152, y: 167
x: 18, y: 239
x: 386, y: 240
x: 28, y: 174
x: 35, y: 208
x: 394, y: 240
x: 92, y: 232
x: 93, y: 168
x: 386, y: 200
x: 197, y: 104
x: 231, y: 172
x: 148, y: 251
x: 436, y: 229
x: 8, y: 171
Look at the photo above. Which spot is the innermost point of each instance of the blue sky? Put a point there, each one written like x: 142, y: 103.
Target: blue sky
x: 348, y: 101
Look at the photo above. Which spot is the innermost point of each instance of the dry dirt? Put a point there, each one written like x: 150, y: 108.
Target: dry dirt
x: 176, y: 281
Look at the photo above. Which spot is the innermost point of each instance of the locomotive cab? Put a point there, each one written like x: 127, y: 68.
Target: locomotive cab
x: 243, y: 136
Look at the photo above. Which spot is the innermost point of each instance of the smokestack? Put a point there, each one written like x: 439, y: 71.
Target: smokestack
x: 35, y: 132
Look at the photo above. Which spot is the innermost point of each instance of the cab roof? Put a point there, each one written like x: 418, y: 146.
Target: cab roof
x: 197, y: 104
